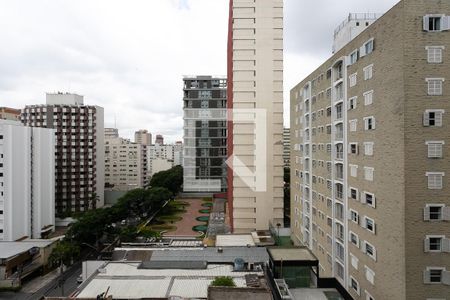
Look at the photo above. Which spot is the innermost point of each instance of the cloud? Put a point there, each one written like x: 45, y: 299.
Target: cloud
x: 130, y: 56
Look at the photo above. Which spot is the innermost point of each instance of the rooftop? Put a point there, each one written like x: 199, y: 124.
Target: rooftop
x: 291, y: 254
x: 234, y: 240
x: 10, y: 249
x: 126, y: 281
x: 210, y: 255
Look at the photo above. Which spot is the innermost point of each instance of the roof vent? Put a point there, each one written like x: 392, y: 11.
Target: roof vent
x: 220, y: 250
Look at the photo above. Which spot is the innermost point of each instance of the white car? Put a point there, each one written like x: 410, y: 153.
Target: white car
x: 80, y: 279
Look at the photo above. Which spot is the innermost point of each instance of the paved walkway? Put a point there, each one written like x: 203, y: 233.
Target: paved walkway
x: 184, y: 226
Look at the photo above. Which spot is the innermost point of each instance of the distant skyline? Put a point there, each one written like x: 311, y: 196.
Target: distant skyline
x: 130, y: 56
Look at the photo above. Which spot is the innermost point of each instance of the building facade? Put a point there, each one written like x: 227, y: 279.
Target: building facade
x: 159, y: 139
x: 369, y: 136
x: 111, y: 133
x: 27, y: 181
x: 80, y: 151
x: 7, y: 113
x: 286, y: 147
x: 205, y: 134
x: 255, y: 82
x: 143, y: 137
x: 125, y: 165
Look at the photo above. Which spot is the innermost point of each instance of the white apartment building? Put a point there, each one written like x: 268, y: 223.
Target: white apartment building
x: 163, y: 157
x: 125, y: 165
x: 27, y: 181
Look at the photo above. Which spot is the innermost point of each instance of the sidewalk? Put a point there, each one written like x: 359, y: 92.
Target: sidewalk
x: 39, y: 282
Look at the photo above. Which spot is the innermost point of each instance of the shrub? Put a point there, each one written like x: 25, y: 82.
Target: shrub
x: 223, y: 281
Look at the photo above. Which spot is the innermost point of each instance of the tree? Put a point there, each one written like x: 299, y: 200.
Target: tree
x: 64, y: 252
x: 171, y: 179
x: 223, y: 281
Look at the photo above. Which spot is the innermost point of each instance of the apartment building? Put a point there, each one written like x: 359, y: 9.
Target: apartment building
x: 255, y: 78
x: 125, y: 165
x: 143, y: 137
x: 27, y: 181
x: 80, y: 151
x: 111, y: 133
x: 159, y: 139
x: 286, y: 147
x: 205, y: 134
x: 369, y: 134
x: 7, y: 113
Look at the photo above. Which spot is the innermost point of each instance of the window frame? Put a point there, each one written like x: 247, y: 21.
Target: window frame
x: 350, y: 234
x: 374, y: 253
x: 436, y: 90
x: 435, y: 187
x: 368, y: 72
x: 357, y: 290
x: 352, y: 103
x: 434, y: 143
x: 368, y: 98
x: 366, y: 123
x: 364, y: 200
x: 372, y: 170
x: 431, y: 55
x: 374, y: 226
x: 353, y: 79
x: 371, y: 144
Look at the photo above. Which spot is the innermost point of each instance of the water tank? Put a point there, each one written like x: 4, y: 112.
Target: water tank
x: 239, y: 264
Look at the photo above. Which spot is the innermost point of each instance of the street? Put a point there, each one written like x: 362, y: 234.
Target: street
x: 53, y: 288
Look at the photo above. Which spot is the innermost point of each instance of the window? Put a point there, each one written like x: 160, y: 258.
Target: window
x: 352, y: 79
x: 434, y: 54
x: 353, y: 193
x: 434, y: 180
x: 369, y: 296
x: 434, y: 148
x: 433, y: 212
x: 368, y: 148
x: 370, y: 250
x: 433, y: 117
x: 369, y: 123
x: 352, y: 103
x: 353, y: 124
x: 433, y: 275
x: 368, y: 173
x: 328, y: 111
x: 369, y: 224
x: 354, y: 57
x: 368, y: 98
x: 353, y: 170
x: 353, y: 148
x: 434, y: 86
x: 367, y: 48
x: 329, y: 147
x: 436, y: 23
x: 354, y: 284
x: 368, y: 72
x: 369, y: 199
x: 436, y: 244
x: 339, y: 270
x: 354, y: 261
x: 354, y: 216
x: 370, y: 275
x: 354, y: 239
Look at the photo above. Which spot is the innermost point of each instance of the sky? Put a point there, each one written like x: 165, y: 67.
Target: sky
x: 129, y: 56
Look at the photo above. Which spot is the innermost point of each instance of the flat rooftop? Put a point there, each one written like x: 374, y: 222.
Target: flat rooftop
x: 234, y: 240
x: 10, y: 249
x: 126, y: 281
x: 210, y: 254
x: 291, y: 254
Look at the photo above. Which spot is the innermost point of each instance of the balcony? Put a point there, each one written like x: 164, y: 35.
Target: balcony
x: 339, y: 192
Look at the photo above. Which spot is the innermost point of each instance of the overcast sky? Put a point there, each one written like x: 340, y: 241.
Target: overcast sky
x: 129, y: 56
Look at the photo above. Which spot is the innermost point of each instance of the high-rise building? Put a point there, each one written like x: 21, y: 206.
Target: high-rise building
x: 159, y: 139
x: 111, y: 133
x: 7, y: 113
x: 178, y: 153
x: 370, y: 135
x: 255, y: 82
x: 27, y: 181
x: 286, y: 147
x: 205, y: 134
x: 80, y: 151
x: 143, y: 137
x: 125, y: 165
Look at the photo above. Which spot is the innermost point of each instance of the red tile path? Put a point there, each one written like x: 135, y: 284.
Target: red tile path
x: 184, y: 226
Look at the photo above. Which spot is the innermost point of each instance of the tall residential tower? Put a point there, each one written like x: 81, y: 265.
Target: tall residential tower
x: 79, y: 156
x: 255, y: 89
x: 205, y: 134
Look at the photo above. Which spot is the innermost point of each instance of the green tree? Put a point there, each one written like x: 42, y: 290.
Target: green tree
x: 223, y: 281
x: 171, y: 179
x: 64, y: 252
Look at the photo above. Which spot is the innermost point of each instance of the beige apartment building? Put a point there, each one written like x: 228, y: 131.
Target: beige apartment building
x: 255, y: 81
x: 143, y: 137
x: 370, y: 157
x: 125, y: 165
